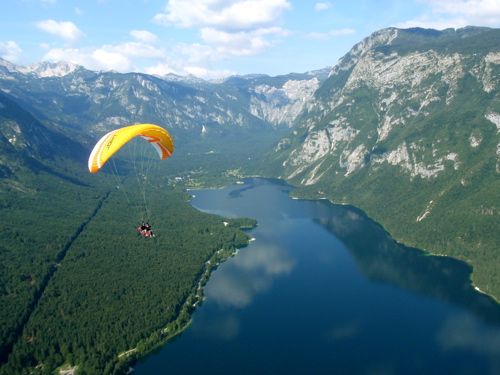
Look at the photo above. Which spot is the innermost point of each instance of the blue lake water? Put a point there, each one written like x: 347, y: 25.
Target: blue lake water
x: 324, y: 290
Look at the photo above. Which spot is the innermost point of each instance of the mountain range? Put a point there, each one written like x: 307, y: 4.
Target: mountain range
x: 405, y: 126
x: 73, y: 98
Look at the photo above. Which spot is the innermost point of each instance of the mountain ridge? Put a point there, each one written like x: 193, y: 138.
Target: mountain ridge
x: 100, y: 101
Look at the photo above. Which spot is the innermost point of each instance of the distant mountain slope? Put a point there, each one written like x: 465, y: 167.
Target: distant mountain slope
x: 27, y: 145
x: 26, y: 134
x: 407, y: 127
x: 95, y: 102
x: 277, y: 100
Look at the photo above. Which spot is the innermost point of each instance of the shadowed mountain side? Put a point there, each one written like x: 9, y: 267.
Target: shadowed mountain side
x: 29, y: 138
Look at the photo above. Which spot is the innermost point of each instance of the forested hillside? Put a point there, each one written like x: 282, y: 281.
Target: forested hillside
x: 114, y: 289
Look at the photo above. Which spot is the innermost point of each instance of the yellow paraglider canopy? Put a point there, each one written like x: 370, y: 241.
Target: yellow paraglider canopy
x: 110, y: 143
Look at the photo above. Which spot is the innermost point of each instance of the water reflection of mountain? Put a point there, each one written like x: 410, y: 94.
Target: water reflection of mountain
x: 380, y: 258
x: 254, y: 182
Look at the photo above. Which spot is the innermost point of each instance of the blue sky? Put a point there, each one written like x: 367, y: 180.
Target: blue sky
x: 214, y: 38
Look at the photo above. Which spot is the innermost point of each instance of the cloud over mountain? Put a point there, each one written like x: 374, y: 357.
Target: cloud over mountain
x: 64, y: 29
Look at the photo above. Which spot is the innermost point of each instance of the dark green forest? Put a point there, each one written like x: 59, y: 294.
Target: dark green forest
x: 80, y: 286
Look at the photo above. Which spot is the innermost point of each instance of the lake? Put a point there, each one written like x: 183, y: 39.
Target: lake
x: 325, y: 290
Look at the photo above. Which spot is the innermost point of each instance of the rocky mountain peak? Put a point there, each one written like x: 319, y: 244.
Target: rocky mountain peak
x: 378, y: 38
x: 50, y: 69
x: 41, y: 69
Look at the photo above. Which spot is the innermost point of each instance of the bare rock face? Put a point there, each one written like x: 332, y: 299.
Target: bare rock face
x: 282, y: 105
x: 386, y: 104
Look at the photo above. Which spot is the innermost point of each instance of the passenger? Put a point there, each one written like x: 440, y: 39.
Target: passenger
x: 145, y: 230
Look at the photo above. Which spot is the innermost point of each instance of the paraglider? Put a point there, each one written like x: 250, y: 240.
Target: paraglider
x: 113, y: 141
x: 110, y: 143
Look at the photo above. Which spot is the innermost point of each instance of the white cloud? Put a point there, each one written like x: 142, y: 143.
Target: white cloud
x: 10, y: 51
x: 118, y: 57
x: 240, y: 43
x: 444, y: 14
x: 110, y: 60
x: 160, y: 69
x: 330, y: 34
x: 434, y: 23
x: 65, y: 29
x: 196, y: 59
x: 322, y: 6
x: 94, y: 59
x: 227, y: 15
x: 136, y: 49
x: 179, y: 67
x: 144, y: 36
x: 195, y: 53
x: 122, y: 58
x: 228, y: 28
x: 470, y: 8
x: 203, y: 72
x: 73, y: 55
